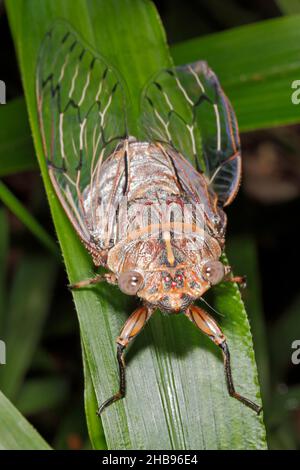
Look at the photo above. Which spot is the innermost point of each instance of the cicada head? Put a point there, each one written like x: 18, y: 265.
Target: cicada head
x: 174, y: 290
x: 169, y: 276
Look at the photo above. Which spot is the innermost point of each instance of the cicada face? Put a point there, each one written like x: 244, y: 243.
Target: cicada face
x: 139, y: 206
x: 173, y: 290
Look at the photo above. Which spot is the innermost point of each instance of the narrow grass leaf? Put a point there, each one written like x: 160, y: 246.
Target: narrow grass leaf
x: 4, y: 246
x: 256, y: 65
x: 20, y: 211
x: 27, y: 310
x: 16, y: 147
x: 289, y: 7
x: 16, y: 433
x: 242, y: 253
x: 41, y: 394
x: 176, y: 395
x: 94, y: 424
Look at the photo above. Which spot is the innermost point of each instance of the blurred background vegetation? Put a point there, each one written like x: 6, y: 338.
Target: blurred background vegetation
x: 37, y: 320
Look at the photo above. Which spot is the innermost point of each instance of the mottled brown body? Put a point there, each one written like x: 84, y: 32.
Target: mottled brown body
x: 158, y: 248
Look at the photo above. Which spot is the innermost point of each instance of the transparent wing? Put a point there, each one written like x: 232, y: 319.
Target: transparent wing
x: 82, y: 119
x: 186, y: 108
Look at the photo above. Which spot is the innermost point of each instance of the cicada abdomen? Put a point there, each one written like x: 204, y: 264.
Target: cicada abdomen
x: 143, y: 211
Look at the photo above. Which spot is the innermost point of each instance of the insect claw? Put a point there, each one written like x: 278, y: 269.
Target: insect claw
x: 119, y: 395
x: 75, y: 286
x: 242, y: 281
x: 72, y: 286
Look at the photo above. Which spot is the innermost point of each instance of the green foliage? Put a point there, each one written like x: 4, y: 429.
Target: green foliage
x: 259, y: 85
x: 41, y: 394
x: 256, y: 65
x: 4, y: 243
x: 16, y: 149
x: 16, y: 433
x: 176, y: 397
x: 21, y: 320
x: 289, y: 6
x: 176, y: 394
x: 243, y: 256
x: 28, y: 220
x: 26, y: 310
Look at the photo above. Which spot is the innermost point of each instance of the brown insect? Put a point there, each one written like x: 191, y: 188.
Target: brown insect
x: 139, y: 206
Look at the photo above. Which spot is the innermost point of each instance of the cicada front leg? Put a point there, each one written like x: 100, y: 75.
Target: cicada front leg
x: 240, y: 280
x: 209, y: 326
x: 131, y: 329
x: 108, y: 277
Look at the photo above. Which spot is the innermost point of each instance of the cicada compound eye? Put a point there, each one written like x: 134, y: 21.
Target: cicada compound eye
x: 130, y: 282
x: 213, y: 272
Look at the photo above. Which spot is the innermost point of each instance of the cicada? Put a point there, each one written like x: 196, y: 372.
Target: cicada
x: 148, y: 208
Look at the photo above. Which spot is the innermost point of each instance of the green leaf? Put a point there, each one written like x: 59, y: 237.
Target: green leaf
x: 41, y: 394
x: 243, y: 258
x: 95, y: 428
x: 289, y: 7
x: 15, y: 432
x: 27, y: 309
x: 4, y: 245
x: 17, y: 208
x: 16, y: 148
x: 256, y: 65
x: 259, y: 85
x: 176, y: 394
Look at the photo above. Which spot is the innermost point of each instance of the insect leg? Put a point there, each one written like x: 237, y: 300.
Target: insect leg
x: 210, y: 327
x: 108, y: 277
x: 131, y: 329
x: 241, y: 280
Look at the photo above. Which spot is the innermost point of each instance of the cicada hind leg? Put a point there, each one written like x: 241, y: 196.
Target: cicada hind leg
x: 209, y: 326
x: 131, y: 329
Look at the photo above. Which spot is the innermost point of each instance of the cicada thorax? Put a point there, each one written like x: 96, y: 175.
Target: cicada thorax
x: 148, y: 222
